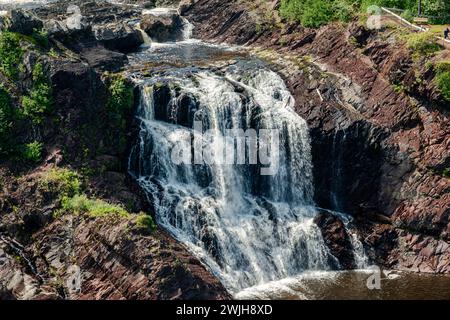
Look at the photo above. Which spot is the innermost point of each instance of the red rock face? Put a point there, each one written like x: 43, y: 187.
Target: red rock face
x: 393, y: 141
x: 81, y: 257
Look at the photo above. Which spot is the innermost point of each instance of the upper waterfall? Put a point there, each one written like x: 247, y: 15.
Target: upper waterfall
x: 250, y: 222
x: 248, y: 228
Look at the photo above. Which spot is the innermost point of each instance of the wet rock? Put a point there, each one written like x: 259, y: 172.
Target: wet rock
x: 118, y: 37
x: 163, y: 28
x: 104, y: 59
x: 55, y: 28
x: 337, y: 239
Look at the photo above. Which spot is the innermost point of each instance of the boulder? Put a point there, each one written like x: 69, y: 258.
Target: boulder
x: 118, y: 37
x: 75, y: 21
x: 163, y: 28
x: 336, y: 238
x: 55, y: 28
x: 104, y: 59
x: 20, y: 21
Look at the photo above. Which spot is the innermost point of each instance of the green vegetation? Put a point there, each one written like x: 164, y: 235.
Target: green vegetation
x: 32, y: 152
x: 423, y: 43
x: 41, y: 38
x: 7, y: 116
x: 81, y: 204
x: 443, y: 78
x: 446, y: 173
x: 315, y: 13
x: 66, y: 183
x: 399, y: 87
x: 437, y: 10
x: 121, y: 95
x: 145, y: 222
x: 10, y: 54
x: 119, y: 106
x: 39, y: 102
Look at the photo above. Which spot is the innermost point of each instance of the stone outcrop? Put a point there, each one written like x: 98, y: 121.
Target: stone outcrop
x: 337, y: 239
x: 20, y: 21
x: 118, y: 37
x: 163, y: 28
x: 76, y: 257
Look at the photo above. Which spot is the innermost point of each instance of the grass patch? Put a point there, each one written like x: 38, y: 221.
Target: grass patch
x: 81, y: 204
x: 64, y: 182
x: 145, y: 223
x: 442, y: 78
x: 422, y: 43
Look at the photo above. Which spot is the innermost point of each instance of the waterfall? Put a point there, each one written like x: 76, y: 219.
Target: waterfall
x: 361, y: 259
x: 145, y: 37
x: 188, y: 29
x: 248, y: 228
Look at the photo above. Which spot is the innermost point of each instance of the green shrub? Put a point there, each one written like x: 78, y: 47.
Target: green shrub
x: 39, y: 102
x: 64, y: 182
x: 10, y: 54
x: 442, y: 78
x: 121, y: 95
x: 145, y: 222
x: 423, y: 43
x: 399, y: 87
x: 291, y: 9
x: 7, y: 117
x: 41, y: 38
x: 437, y: 8
x: 81, y: 204
x: 446, y: 173
x: 119, y: 106
x: 315, y: 13
x: 443, y: 83
x: 342, y: 11
x: 32, y: 152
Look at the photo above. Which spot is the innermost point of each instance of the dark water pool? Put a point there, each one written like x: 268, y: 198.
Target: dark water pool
x: 352, y: 285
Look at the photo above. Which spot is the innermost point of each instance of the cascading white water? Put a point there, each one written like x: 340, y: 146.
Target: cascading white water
x: 249, y: 229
